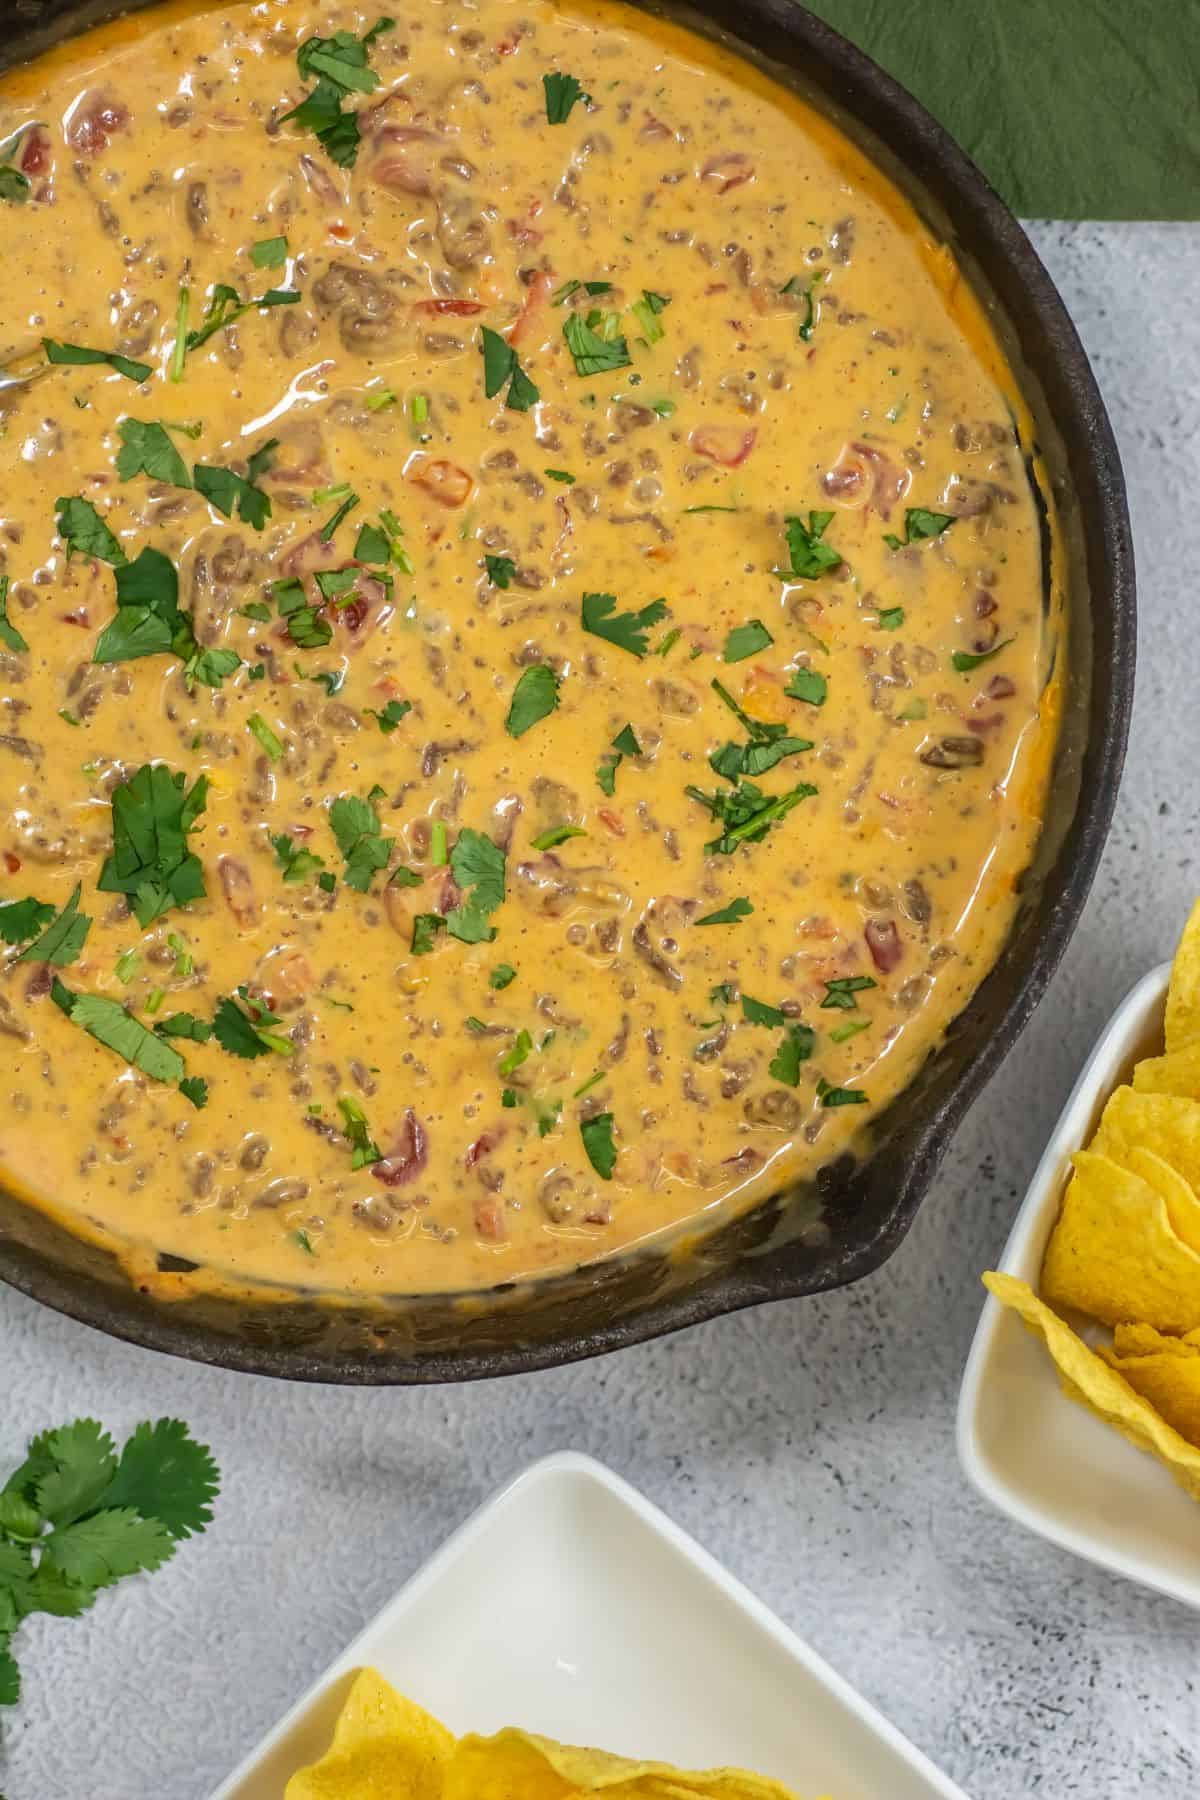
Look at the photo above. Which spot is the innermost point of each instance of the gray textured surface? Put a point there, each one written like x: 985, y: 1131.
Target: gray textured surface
x: 809, y: 1445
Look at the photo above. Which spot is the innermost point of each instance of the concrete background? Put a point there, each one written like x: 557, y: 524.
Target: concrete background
x: 808, y: 1445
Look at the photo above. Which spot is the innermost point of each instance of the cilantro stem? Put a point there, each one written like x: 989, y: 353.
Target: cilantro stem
x: 179, y: 353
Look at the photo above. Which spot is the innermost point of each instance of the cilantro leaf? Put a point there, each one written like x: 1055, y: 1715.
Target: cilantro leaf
x: 920, y: 524
x: 297, y: 864
x: 366, y: 1150
x: 795, y: 1048
x: 628, y: 630
x: 372, y: 545
x: 84, y: 532
x: 390, y: 715
x: 597, y: 1135
x: 747, y: 640
x: 624, y: 744
x: 646, y: 311
x: 195, y: 1089
x: 14, y: 186
x: 23, y: 919
x: 165, y: 1474
x: 477, y: 865
x: 258, y: 728
x: 964, y: 660
x: 10, y: 1675
x: 75, y: 353
x: 809, y: 685
x: 100, y: 1550
x: 840, y: 994
x: 839, y: 1096
x: 226, y: 307
x: 62, y: 942
x: 425, y: 929
x: 225, y: 490
x: 83, y: 1461
x: 305, y: 627
x: 111, y: 1025
x: 891, y: 618
x: 740, y: 908
x: 756, y: 1012
x: 810, y: 556
x: 359, y: 837
x: 339, y: 65
x: 501, y: 364
x: 184, y: 1025
x: 501, y: 570
x: 245, y: 1033
x: 269, y: 253
x: 747, y: 813
x: 150, y: 861
x: 146, y: 449
x: 591, y: 353
x: 561, y: 93
x: 212, y: 666
x: 557, y: 834
x: 9, y: 635
x: 534, y: 697
x: 501, y: 976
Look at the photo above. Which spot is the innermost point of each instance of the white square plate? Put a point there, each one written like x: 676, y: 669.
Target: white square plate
x: 572, y: 1606
x: 1036, y: 1455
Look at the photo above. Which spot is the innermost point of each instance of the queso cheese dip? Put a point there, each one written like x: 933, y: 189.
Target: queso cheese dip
x: 525, y: 663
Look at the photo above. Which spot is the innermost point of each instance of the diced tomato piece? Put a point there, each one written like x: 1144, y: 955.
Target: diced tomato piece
x: 536, y: 296
x: 94, y: 123
x: 728, y: 445
x: 443, y: 481
x: 459, y: 309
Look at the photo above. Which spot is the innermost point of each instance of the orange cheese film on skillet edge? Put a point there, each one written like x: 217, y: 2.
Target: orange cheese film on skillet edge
x: 589, y: 633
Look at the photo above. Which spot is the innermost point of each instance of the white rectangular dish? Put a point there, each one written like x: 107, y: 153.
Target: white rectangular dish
x: 1036, y: 1455
x: 573, y: 1607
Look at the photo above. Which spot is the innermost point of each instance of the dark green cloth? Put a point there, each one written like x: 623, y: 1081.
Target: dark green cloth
x: 1074, y: 109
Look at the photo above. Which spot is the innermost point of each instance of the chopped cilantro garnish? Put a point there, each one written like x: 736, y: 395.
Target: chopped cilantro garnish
x: 389, y: 716
x: 501, y: 976
x: 516, y: 1054
x: 850, y: 1029
x: 741, y: 908
x: 840, y: 994
x: 557, y: 834
x: 809, y: 685
x: 22, y: 919
x: 63, y: 938
x: 226, y: 306
x: 9, y: 635
x: 297, y: 864
x: 425, y: 929
x: 920, y: 524
x: 757, y: 1012
x: 839, y: 1096
x: 562, y: 294
x: 269, y: 253
x: 111, y: 1025
x: 75, y: 353
x: 150, y: 861
x: 339, y: 66
x: 810, y: 555
x: 146, y: 449
x: 185, y: 1025
x: 747, y: 813
x: 271, y: 744
x: 561, y: 93
x: 597, y: 1135
x: 501, y: 364
x: 500, y: 569
x: 334, y: 520
x: 592, y: 353
x: 624, y: 744
x: 563, y: 475
x: 534, y: 698
x: 795, y: 1047
x: 965, y: 660
x: 628, y: 630
x: 84, y: 532
x: 809, y: 317
x: 366, y: 1150
x: 244, y: 1033
x: 891, y: 618
x: 646, y: 311
x: 14, y: 185
x: 477, y: 865
x: 747, y: 640
x: 360, y: 839
x: 225, y: 490
x: 305, y: 626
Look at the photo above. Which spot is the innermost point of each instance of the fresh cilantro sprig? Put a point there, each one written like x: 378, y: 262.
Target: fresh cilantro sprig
x: 595, y: 343
x: 22, y: 919
x: 114, y: 1026
x: 226, y: 307
x: 477, y: 865
x: 360, y: 838
x: 624, y: 744
x: 747, y: 814
x: 769, y: 743
x: 339, y: 66
x: 75, y: 1518
x: 561, y: 93
x: 245, y: 1030
x: 226, y: 490
x: 64, y: 937
x: 356, y: 1129
x: 146, y: 449
x: 919, y: 525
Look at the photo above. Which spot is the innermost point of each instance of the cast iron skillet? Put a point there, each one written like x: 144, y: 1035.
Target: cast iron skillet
x: 856, y: 1215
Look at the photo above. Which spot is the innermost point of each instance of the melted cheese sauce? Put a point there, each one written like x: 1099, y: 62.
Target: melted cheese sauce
x: 816, y: 352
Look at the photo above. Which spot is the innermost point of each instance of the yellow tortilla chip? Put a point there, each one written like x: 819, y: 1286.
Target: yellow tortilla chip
x: 1169, y: 1378
x: 1165, y: 1123
x: 517, y: 1765
x: 1183, y: 995
x: 1143, y: 1340
x: 1114, y: 1254
x: 384, y: 1748
x: 1178, y: 1073
x: 1183, y: 1208
x: 1088, y: 1378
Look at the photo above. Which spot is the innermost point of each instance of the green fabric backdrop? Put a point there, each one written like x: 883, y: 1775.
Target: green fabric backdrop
x: 1074, y: 109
